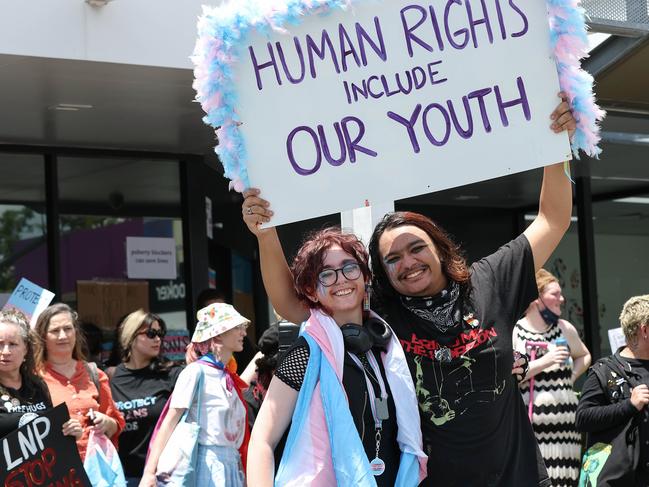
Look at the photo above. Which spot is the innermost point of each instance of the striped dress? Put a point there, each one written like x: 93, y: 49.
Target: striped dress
x: 555, y: 404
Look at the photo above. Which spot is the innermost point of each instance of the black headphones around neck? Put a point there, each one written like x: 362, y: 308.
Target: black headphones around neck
x: 360, y: 339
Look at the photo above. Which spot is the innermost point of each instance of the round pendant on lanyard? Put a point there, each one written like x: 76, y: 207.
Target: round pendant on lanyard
x: 377, y: 466
x: 378, y: 406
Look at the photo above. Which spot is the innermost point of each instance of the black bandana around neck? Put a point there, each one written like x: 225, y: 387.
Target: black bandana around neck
x: 437, y: 310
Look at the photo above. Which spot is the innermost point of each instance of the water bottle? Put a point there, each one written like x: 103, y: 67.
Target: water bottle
x: 562, y: 342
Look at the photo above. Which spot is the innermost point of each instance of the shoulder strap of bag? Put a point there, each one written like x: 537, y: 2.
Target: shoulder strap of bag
x: 91, y: 368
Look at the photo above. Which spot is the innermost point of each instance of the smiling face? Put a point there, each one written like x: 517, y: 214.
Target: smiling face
x: 343, y: 299
x: 12, y: 348
x: 145, y: 348
x: 552, y: 297
x: 411, y: 262
x: 60, y: 337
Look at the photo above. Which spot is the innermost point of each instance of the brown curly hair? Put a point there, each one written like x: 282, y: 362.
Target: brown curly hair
x: 308, y: 261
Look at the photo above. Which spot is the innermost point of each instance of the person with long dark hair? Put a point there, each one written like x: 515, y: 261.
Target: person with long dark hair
x: 141, y: 385
x: 455, y: 324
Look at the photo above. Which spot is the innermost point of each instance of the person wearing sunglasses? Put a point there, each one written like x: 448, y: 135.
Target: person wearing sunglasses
x: 141, y: 385
x: 338, y: 385
x: 70, y: 379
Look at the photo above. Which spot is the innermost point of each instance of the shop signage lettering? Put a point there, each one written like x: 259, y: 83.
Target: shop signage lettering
x: 423, y: 95
x: 170, y: 291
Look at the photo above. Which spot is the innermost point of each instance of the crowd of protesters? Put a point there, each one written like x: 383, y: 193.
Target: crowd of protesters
x: 412, y: 367
x: 297, y: 405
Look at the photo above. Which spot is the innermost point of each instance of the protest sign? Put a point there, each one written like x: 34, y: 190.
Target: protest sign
x: 616, y: 339
x: 385, y: 100
x: 38, y: 453
x: 29, y: 299
x: 151, y: 258
x: 175, y: 344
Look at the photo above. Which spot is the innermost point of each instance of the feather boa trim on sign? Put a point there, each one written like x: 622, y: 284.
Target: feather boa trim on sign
x: 222, y: 32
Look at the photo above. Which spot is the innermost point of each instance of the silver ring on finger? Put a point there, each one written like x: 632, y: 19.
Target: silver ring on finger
x: 249, y: 210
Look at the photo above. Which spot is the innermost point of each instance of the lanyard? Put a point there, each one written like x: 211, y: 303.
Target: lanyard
x: 379, y: 406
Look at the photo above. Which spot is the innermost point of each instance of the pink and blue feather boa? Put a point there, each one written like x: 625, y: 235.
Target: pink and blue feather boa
x: 222, y: 30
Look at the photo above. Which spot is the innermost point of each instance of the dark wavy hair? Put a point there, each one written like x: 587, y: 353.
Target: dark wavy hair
x: 43, y: 324
x: 308, y: 261
x: 453, y: 262
x: 32, y: 381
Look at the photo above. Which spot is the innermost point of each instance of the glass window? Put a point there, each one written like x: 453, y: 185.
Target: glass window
x: 621, y: 244
x: 23, y: 223
x: 104, y: 201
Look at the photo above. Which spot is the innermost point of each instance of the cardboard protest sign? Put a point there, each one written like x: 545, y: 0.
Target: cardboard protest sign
x: 29, y: 299
x: 39, y: 454
x: 385, y: 100
x: 175, y: 344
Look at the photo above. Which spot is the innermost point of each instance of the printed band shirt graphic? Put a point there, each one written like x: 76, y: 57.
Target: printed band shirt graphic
x: 471, y: 410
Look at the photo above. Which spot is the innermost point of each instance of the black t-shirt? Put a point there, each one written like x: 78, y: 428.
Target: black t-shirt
x: 604, y: 412
x: 475, y: 427
x: 30, y: 398
x: 140, y: 396
x: 291, y: 371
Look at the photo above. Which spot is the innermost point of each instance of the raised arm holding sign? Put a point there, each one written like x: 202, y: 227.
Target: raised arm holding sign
x: 454, y: 323
x: 390, y: 100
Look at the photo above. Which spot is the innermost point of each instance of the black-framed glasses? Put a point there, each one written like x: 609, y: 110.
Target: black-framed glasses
x: 329, y: 277
x: 152, y: 333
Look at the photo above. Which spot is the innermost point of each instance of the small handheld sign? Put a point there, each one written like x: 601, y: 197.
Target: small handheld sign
x: 38, y: 454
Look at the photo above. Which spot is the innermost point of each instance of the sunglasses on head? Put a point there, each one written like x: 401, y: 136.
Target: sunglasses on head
x: 152, y: 333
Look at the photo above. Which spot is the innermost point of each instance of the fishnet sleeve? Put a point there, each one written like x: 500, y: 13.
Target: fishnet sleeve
x: 293, y: 366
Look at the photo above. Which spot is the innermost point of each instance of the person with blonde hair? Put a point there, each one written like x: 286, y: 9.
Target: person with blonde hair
x: 141, y: 385
x: 70, y: 379
x: 561, y: 357
x: 613, y: 407
x: 213, y: 393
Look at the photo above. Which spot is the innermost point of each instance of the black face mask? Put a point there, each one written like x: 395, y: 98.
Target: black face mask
x: 549, y: 316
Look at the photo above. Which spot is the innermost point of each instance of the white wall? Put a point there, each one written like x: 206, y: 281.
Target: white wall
x: 144, y: 32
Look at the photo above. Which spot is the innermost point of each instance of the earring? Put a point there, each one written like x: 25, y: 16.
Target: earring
x: 366, y: 299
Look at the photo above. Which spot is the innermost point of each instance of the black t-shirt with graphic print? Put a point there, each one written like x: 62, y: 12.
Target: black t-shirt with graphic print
x: 30, y: 398
x: 476, y: 430
x: 140, y: 395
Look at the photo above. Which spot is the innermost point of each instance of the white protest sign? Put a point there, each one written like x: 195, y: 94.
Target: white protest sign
x: 616, y: 339
x: 30, y: 299
x: 150, y: 258
x: 396, y: 98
